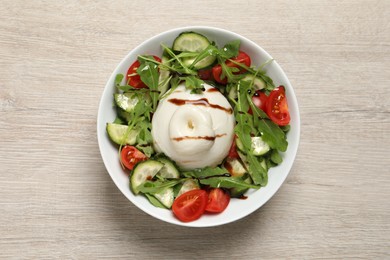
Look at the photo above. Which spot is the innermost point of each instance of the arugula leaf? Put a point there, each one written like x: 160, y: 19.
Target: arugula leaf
x: 118, y: 79
x: 227, y: 182
x: 180, y: 67
x: 119, y: 121
x: 211, y: 50
x: 256, y: 171
x: 230, y: 49
x: 154, y: 201
x: 194, y: 84
x: 148, y: 71
x: 273, y: 135
x: 270, y: 132
x: 243, y: 127
x: 206, y: 172
x: 276, y: 157
x: 145, y: 135
x: 228, y: 72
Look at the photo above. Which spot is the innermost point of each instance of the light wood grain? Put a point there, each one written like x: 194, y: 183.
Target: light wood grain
x: 56, y: 198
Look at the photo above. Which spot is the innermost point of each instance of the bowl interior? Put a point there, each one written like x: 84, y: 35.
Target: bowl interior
x: 237, y: 208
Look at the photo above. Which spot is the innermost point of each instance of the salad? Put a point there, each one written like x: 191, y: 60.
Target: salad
x: 198, y: 126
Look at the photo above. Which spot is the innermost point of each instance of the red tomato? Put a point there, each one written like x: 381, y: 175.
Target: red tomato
x: 132, y: 78
x: 260, y: 100
x: 277, y: 107
x: 190, y: 205
x: 205, y: 74
x: 233, y: 150
x: 130, y: 156
x: 242, y: 57
x: 217, y: 72
x: 218, y: 201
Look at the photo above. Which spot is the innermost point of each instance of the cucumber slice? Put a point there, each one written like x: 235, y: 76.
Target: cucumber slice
x: 117, y: 133
x: 163, y: 80
x: 190, y: 41
x: 259, y: 147
x: 258, y: 83
x: 126, y: 101
x: 168, y: 171
x: 193, y: 42
x: 190, y: 184
x: 234, y: 167
x: 166, y: 197
x: 203, y: 63
x: 142, y: 172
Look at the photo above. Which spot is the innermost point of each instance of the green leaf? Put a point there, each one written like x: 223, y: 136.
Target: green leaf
x: 194, y: 84
x: 206, y: 172
x: 118, y: 79
x: 258, y: 174
x: 276, y: 157
x: 270, y: 132
x: 119, y: 121
x: 148, y: 72
x: 243, y: 127
x: 227, y: 182
x: 230, y: 49
x: 154, y: 201
x: 178, y: 65
x: 211, y: 50
x: 145, y: 135
x: 146, y: 149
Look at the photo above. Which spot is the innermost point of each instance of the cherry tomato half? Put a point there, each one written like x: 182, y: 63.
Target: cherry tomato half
x: 218, y: 200
x: 259, y: 99
x: 130, y: 156
x: 190, y: 205
x: 242, y: 57
x: 205, y: 74
x: 132, y: 78
x: 277, y: 107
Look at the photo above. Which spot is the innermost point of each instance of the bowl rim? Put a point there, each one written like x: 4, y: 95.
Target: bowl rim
x: 291, y: 97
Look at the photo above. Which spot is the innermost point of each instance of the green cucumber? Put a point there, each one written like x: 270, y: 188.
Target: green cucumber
x: 165, y: 197
x: 117, y: 134
x: 258, y: 147
x: 257, y: 82
x: 190, y: 184
x: 193, y: 42
x: 168, y: 171
x: 190, y: 41
x: 203, y: 63
x: 126, y: 101
x: 142, y: 172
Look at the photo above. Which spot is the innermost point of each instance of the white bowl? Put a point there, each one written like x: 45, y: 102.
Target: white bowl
x: 237, y: 208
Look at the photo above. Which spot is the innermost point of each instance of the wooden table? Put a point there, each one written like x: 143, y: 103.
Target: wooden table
x: 57, y: 199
